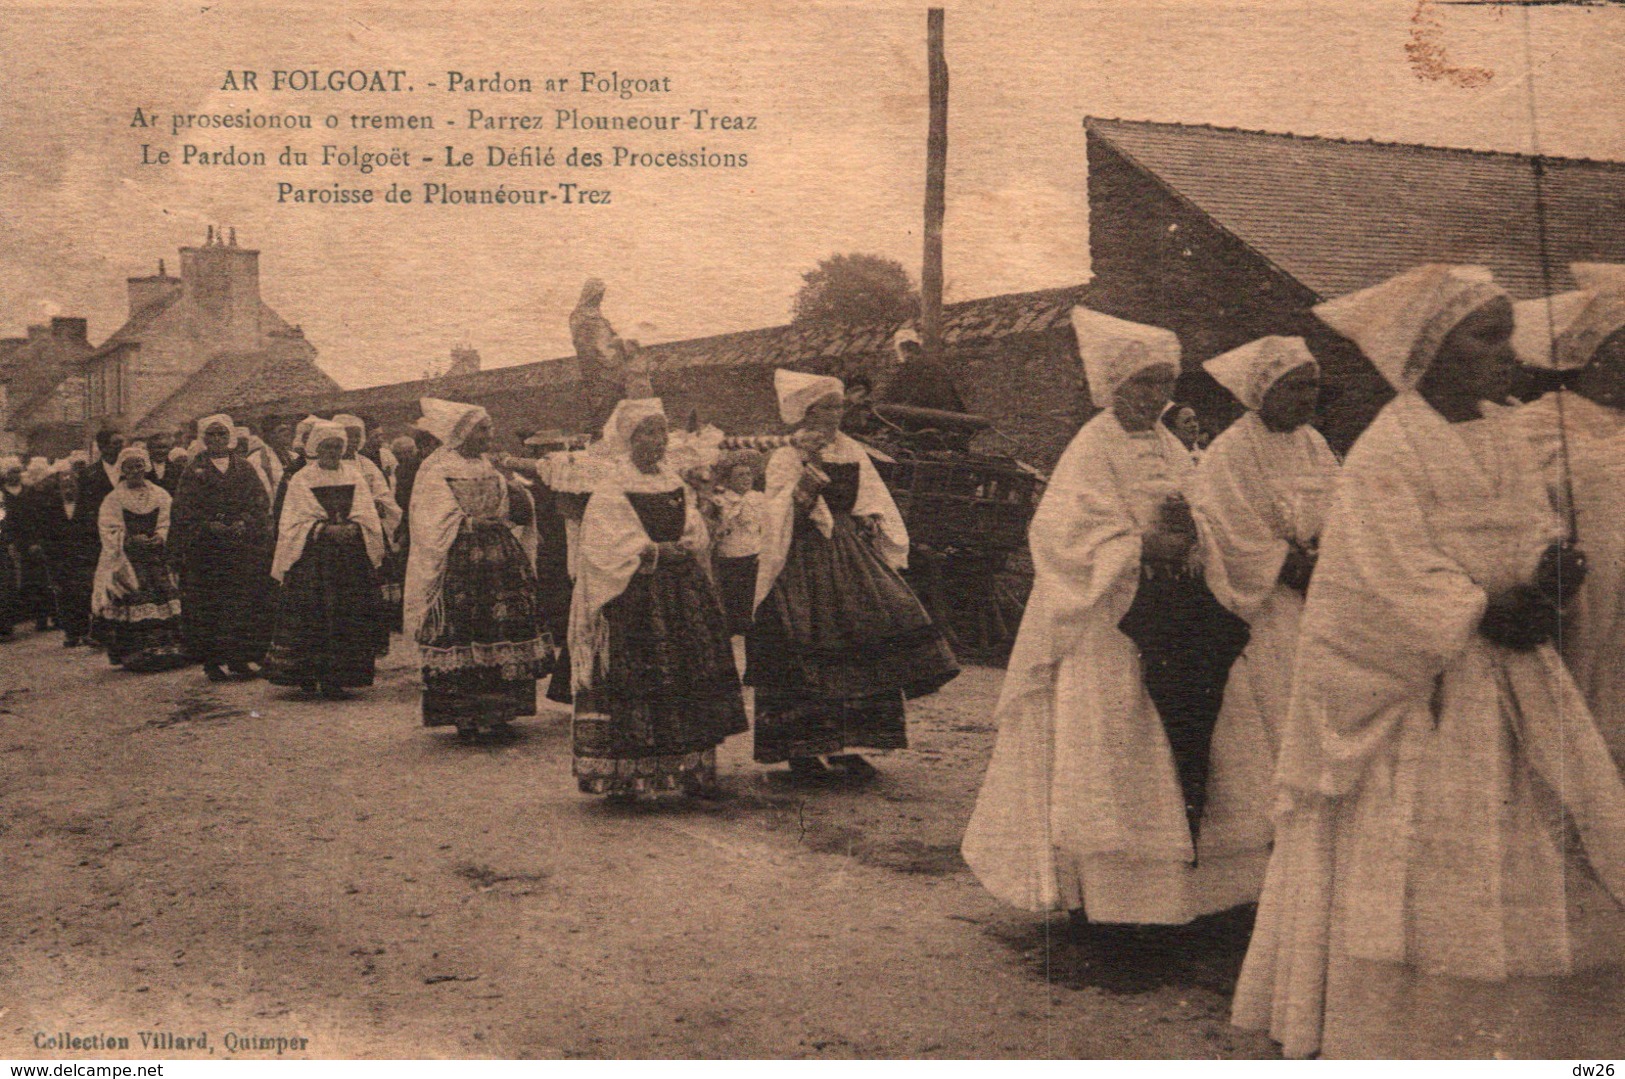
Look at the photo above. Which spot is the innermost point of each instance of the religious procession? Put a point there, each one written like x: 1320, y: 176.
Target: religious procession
x: 1379, y: 697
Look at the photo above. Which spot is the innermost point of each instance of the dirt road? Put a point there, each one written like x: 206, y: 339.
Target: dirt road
x: 237, y: 863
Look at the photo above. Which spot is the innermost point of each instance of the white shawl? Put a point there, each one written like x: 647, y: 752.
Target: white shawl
x: 610, y: 553
x: 1091, y: 775
x: 115, y: 577
x: 302, y: 512
x: 1260, y: 492
x: 784, y: 470
x: 436, y: 520
x: 388, y: 510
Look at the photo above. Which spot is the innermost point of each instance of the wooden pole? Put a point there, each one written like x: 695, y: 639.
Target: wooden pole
x: 936, y: 175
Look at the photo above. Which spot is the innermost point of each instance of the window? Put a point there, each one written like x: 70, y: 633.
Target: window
x: 107, y: 392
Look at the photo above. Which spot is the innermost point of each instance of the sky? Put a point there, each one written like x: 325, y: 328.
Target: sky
x: 837, y: 155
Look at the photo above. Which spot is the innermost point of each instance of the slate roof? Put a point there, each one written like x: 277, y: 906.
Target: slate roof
x: 1339, y: 215
x: 136, y: 326
x: 694, y: 372
x: 231, y: 380
x: 34, y: 368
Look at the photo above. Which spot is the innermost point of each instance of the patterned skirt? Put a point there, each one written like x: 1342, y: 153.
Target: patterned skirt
x: 836, y: 647
x: 484, y: 644
x: 669, y: 692
x: 326, y: 618
x: 142, y: 631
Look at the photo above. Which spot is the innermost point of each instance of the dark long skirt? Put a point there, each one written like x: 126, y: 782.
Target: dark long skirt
x: 484, y: 645
x: 10, y: 587
x: 35, y: 598
x: 326, y: 617
x: 394, y: 578
x: 143, y: 630
x: 75, y: 581
x: 836, y: 647
x: 558, y: 686
x: 1187, y: 642
x: 669, y: 691
x: 227, y: 601
x: 736, y: 580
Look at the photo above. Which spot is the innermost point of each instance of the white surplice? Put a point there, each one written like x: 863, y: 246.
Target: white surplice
x: 1081, y: 807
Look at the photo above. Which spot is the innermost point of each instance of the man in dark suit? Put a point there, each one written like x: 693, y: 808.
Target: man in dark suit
x: 165, y: 473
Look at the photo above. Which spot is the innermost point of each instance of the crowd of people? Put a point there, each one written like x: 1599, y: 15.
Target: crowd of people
x: 620, y: 573
x: 1379, y: 697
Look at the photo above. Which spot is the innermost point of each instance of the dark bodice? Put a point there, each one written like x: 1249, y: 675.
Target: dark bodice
x: 140, y: 524
x: 338, y: 500
x: 842, y: 492
x: 661, y: 513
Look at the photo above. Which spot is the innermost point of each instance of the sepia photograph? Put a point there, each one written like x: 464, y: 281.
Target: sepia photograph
x: 737, y: 531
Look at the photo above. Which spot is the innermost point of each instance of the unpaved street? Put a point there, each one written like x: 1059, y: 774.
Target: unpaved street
x: 237, y: 862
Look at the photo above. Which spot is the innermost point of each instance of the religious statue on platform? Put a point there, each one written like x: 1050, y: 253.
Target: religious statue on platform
x: 611, y: 367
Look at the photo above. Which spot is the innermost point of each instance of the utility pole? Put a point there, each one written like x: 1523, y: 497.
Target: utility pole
x: 936, y: 176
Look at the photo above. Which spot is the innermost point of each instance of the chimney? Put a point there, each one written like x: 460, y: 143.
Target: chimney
x: 38, y: 332
x: 146, y: 290
x: 221, y: 287
x: 464, y: 361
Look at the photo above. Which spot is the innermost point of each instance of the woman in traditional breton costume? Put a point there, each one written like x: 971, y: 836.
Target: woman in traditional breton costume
x: 73, y: 550
x: 389, y: 513
x: 470, y: 595
x: 839, y: 639
x: 1580, y: 441
x: 221, y: 535
x: 1263, y: 486
x: 329, y: 545
x: 134, y: 601
x: 1450, y: 850
x: 1096, y: 798
x: 655, y: 686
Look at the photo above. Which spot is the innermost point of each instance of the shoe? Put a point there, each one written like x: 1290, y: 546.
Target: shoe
x: 854, y: 765
x: 336, y: 693
x: 71, y: 642
x: 246, y: 671
x: 807, y: 768
x: 308, y: 687
x: 213, y: 673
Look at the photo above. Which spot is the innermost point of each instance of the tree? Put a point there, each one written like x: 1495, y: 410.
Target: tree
x: 851, y: 290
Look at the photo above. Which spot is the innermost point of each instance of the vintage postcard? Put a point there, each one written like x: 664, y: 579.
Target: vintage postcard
x: 840, y: 530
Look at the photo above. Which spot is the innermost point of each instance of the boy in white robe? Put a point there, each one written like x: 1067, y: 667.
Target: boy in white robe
x: 1424, y: 897
x: 1579, y: 437
x: 1083, y: 808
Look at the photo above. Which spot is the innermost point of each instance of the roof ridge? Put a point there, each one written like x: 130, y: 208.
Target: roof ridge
x: 1088, y: 121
